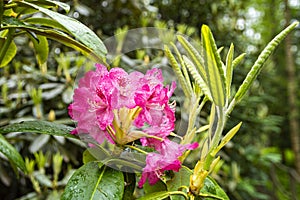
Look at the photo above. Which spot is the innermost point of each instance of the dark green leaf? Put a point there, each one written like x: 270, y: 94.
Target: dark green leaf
x: 155, y: 196
x: 181, y: 178
x: 42, y: 127
x: 92, y: 182
x: 76, y: 28
x: 159, y: 186
x: 212, y: 190
x: 11, y: 153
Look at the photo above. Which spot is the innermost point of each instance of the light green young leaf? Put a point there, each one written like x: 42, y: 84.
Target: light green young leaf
x: 229, y: 69
x: 41, y: 48
x: 11, y: 153
x: 92, y: 182
x: 197, y: 77
x: 259, y: 63
x: 227, y: 138
x: 194, y: 56
x: 183, y: 82
x: 76, y: 28
x: 9, y: 55
x: 43, y: 127
x: 213, y: 67
x: 237, y: 60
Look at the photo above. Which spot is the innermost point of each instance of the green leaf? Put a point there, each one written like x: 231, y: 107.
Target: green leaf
x: 42, y: 127
x: 77, y: 29
x: 64, y: 6
x: 41, y: 48
x: 197, y: 77
x: 59, y: 37
x: 229, y: 69
x: 227, y: 138
x: 262, y: 58
x: 9, y: 55
x: 162, y: 195
x: 157, y: 187
x: 237, y: 60
x: 87, y: 157
x: 185, y: 84
x: 92, y: 182
x: 46, y: 22
x: 181, y: 178
x: 213, y: 67
x: 194, y: 56
x: 11, y: 153
x: 155, y: 196
x: 212, y: 190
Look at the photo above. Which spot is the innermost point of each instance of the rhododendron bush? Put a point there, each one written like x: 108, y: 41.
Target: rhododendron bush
x: 127, y: 120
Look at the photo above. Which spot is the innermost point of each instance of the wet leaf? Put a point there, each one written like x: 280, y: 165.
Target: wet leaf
x: 42, y: 127
x: 11, y: 153
x: 92, y: 182
x: 77, y: 29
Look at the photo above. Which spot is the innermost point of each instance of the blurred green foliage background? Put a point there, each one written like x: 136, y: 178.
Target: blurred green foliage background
x: 261, y: 162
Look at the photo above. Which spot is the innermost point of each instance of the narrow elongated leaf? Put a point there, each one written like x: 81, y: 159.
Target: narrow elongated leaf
x: 59, y: 37
x: 213, y: 67
x: 76, y: 28
x: 237, y: 60
x: 9, y: 55
x: 194, y: 56
x: 91, y: 182
x: 42, y: 127
x: 197, y: 77
x: 41, y: 48
x: 11, y: 153
x: 46, y: 22
x: 227, y: 138
x: 262, y: 58
x: 64, y: 6
x: 229, y: 69
x: 183, y: 82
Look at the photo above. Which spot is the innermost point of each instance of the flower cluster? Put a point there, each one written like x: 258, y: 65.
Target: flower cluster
x: 120, y: 107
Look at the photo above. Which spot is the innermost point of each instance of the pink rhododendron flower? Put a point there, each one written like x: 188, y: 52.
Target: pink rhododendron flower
x: 120, y: 107
x: 165, y: 159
